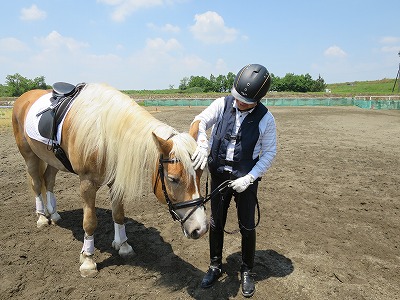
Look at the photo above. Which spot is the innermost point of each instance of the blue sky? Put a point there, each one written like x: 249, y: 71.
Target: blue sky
x: 153, y: 44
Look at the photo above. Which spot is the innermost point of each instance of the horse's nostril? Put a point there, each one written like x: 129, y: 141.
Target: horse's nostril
x: 195, y: 234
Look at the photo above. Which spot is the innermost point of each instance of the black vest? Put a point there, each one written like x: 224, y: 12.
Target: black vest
x: 246, y: 140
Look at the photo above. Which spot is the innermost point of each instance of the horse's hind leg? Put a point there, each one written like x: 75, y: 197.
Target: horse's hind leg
x: 35, y: 168
x: 120, y: 242
x: 51, y: 203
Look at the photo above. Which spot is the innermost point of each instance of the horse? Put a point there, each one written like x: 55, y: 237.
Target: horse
x: 108, y: 139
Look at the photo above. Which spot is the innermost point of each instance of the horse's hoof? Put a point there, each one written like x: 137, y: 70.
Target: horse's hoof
x: 88, y: 267
x: 88, y: 273
x: 124, y: 250
x: 55, y: 218
x: 42, y: 222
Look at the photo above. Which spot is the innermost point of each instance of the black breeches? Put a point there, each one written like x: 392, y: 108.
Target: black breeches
x: 245, y: 204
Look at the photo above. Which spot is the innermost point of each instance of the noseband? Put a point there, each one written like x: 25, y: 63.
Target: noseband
x: 172, y: 207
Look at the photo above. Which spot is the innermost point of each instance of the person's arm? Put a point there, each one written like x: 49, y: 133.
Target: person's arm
x: 203, y: 121
x: 268, y: 148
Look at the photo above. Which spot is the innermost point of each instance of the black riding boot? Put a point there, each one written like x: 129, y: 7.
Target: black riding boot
x: 214, y: 271
x: 248, y: 252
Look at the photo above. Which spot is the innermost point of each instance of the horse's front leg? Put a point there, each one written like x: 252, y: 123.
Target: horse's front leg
x: 88, y: 191
x: 120, y: 239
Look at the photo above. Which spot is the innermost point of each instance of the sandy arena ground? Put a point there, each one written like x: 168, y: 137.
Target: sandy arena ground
x: 330, y: 222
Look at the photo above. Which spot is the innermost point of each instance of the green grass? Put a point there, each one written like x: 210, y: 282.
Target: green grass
x: 5, y: 117
x: 377, y: 87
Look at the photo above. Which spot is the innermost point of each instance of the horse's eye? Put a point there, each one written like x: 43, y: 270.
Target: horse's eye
x: 173, y: 179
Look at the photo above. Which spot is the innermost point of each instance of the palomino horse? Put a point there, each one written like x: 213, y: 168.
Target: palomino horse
x: 109, y: 139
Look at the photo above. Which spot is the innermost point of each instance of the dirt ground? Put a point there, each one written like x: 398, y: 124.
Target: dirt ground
x: 330, y: 222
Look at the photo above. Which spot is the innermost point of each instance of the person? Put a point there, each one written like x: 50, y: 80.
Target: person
x: 242, y: 148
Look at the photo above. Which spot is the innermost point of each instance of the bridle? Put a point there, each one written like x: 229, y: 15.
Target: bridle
x: 172, y: 207
x: 195, y: 203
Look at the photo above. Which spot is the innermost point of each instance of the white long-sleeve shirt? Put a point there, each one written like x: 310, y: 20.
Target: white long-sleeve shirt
x: 265, y: 147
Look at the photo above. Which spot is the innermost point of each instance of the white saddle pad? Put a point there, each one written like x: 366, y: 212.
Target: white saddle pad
x: 32, y: 121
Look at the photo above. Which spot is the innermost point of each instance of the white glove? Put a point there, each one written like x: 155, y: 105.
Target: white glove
x: 200, y: 155
x: 242, y: 183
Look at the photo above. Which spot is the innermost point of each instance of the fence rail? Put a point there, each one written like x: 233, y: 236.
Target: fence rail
x: 370, y: 102
x: 366, y: 102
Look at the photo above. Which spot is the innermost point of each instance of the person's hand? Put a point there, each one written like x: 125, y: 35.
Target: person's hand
x: 200, y: 155
x: 242, y: 183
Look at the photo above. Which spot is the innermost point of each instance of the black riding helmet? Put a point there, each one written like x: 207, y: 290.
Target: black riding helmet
x: 251, y: 83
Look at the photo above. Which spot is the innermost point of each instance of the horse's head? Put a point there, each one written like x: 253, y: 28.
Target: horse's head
x: 178, y: 184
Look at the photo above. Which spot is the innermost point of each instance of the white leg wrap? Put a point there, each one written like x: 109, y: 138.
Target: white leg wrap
x: 40, y: 205
x: 51, y: 203
x: 88, y: 245
x: 119, y: 234
x: 120, y: 241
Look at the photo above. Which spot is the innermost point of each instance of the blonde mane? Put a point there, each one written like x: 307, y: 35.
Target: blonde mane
x: 108, y: 123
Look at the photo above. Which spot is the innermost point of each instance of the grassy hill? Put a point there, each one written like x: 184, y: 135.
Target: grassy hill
x: 377, y: 87
x: 347, y: 89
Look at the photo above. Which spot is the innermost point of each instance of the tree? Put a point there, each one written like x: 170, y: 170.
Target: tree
x: 319, y: 85
x: 221, y: 83
x: 297, y: 83
x: 17, y: 84
x: 184, y: 83
x: 39, y: 83
x: 4, y: 91
x: 230, y: 78
x: 200, y: 82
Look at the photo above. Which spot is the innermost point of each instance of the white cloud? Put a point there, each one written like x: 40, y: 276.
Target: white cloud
x: 160, y: 45
x: 391, y: 49
x: 390, y: 40
x: 170, y: 28
x: 12, y: 45
x: 193, y: 62
x: 54, y: 40
x: 124, y: 8
x: 391, y: 44
x: 210, y: 28
x: 335, y: 51
x: 32, y: 13
x: 166, y: 28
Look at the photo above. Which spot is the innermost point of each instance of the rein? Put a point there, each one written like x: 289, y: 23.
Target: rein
x: 221, y: 189
x: 172, y: 207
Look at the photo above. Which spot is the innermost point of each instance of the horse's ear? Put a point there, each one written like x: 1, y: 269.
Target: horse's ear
x: 194, y: 129
x: 164, y: 146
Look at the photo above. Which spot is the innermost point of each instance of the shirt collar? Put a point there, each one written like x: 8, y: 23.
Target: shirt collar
x: 247, y: 111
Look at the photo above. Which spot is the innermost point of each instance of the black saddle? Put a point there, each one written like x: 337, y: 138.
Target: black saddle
x: 62, y: 98
x: 63, y: 95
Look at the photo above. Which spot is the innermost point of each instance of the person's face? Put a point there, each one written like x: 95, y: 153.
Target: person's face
x: 243, y: 106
